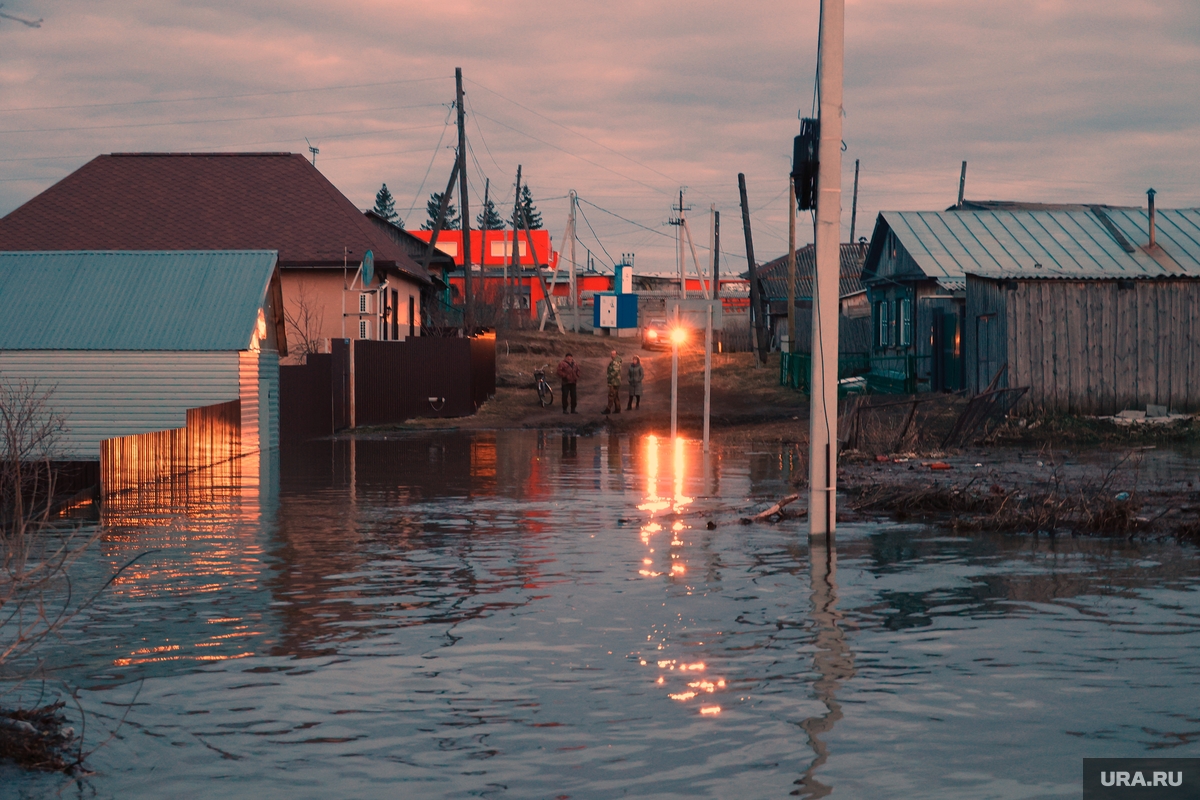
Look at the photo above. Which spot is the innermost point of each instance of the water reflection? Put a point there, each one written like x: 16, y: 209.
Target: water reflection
x: 458, y: 613
x: 833, y: 661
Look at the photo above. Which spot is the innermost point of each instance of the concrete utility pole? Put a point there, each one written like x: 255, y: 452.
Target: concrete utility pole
x: 823, y: 413
x: 468, y: 300
x: 678, y: 222
x: 714, y: 245
x: 791, y: 348
x: 574, y: 279
x: 756, y: 315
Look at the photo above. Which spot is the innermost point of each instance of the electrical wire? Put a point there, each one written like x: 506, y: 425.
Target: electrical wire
x: 342, y: 112
x: 623, y: 219
x: 581, y: 135
x: 222, y: 96
x: 568, y: 152
x: 437, y: 149
x: 482, y: 138
x: 593, y: 230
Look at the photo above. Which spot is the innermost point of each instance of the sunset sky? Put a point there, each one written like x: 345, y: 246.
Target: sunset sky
x: 1048, y: 100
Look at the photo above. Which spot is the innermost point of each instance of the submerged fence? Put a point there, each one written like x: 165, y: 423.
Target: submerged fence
x: 152, y: 462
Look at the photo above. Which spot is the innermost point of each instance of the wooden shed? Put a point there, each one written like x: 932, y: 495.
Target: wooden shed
x: 1085, y: 309
x: 160, y: 362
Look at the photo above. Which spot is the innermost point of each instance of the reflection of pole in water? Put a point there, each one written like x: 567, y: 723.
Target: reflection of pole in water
x: 832, y: 661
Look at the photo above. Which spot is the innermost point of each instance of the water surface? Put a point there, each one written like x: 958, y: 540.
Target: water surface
x: 525, y: 614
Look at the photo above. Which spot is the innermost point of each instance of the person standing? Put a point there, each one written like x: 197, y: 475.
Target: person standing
x: 568, y: 370
x: 614, y: 385
x: 636, y: 374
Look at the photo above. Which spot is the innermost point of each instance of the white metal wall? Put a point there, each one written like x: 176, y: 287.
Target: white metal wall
x: 258, y: 380
x: 105, y: 394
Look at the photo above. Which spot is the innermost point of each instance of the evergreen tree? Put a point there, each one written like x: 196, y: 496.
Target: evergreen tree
x: 531, y: 212
x: 385, y: 206
x: 490, y: 218
x: 431, y: 208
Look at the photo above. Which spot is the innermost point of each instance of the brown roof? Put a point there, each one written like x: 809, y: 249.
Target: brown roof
x: 203, y: 201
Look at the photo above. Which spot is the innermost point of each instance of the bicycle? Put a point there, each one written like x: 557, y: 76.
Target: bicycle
x: 544, y: 392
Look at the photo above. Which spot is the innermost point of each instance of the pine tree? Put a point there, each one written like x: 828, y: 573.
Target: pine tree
x: 385, y: 206
x: 531, y: 213
x: 490, y: 218
x: 431, y: 208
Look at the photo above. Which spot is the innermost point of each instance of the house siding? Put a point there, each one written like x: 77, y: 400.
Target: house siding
x: 106, y: 394
x: 1095, y: 346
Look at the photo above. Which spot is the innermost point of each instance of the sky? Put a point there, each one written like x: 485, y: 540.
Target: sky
x: 623, y: 102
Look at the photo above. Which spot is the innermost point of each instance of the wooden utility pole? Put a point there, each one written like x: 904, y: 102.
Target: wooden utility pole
x: 962, y: 184
x: 682, y: 261
x: 547, y: 297
x: 441, y: 217
x: 514, y: 258
x: 823, y: 413
x: 714, y: 245
x: 483, y: 229
x: 854, y: 204
x: 756, y: 315
x: 468, y: 299
x: 791, y: 264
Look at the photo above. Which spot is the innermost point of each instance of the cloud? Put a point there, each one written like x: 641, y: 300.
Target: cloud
x: 623, y: 101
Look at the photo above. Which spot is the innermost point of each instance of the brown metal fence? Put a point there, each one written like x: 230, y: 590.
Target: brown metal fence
x: 425, y: 376
x: 210, y: 436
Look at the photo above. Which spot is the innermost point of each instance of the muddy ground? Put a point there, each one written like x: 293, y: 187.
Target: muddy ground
x: 1058, y: 475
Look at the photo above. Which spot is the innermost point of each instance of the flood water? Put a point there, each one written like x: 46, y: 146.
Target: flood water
x: 529, y: 615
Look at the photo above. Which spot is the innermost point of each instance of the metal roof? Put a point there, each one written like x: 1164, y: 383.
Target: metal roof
x: 125, y: 300
x: 773, y: 274
x: 1082, y: 243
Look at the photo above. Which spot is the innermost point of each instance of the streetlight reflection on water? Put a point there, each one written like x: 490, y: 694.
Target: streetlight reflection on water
x: 655, y: 504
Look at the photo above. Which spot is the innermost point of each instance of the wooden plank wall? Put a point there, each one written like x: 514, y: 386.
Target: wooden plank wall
x: 1100, y: 346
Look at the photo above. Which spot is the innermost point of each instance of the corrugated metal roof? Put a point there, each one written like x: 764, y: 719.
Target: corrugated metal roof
x: 125, y: 300
x: 773, y: 274
x: 1050, y: 243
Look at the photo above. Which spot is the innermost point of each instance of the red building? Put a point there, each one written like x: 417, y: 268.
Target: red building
x: 496, y: 250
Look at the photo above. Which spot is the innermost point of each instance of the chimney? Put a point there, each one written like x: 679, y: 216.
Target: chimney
x: 1150, y: 201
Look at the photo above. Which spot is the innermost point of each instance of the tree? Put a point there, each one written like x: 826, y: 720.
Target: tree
x: 532, y: 216
x: 385, y: 206
x: 431, y: 208
x: 490, y: 218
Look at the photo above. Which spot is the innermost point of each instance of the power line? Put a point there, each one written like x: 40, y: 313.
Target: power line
x: 482, y: 138
x: 623, y: 219
x: 581, y: 135
x: 593, y: 230
x: 222, y: 96
x: 206, y: 121
x: 568, y: 152
x: 437, y: 149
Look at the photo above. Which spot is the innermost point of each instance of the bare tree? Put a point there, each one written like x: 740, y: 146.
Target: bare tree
x: 304, y: 318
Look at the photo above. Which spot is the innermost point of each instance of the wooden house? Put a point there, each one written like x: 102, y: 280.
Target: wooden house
x: 159, y: 363
x: 854, y: 325
x: 237, y: 201
x: 1096, y: 310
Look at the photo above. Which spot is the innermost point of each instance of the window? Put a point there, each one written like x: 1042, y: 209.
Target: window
x: 883, y: 315
x: 904, y: 321
x: 412, y: 315
x: 395, y: 314
x: 504, y: 249
x: 362, y: 329
x: 362, y: 303
x: 449, y: 248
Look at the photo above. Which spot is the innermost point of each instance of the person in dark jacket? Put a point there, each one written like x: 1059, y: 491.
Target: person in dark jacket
x: 568, y: 370
x: 637, y: 374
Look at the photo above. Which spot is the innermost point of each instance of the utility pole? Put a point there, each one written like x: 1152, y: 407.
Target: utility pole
x: 714, y: 246
x: 679, y: 222
x: 574, y: 285
x: 854, y: 204
x: 791, y: 263
x: 468, y: 299
x: 547, y: 297
x: 515, y: 256
x: 823, y: 413
x: 756, y: 316
x: 962, y: 184
x: 437, y: 225
x: 483, y: 229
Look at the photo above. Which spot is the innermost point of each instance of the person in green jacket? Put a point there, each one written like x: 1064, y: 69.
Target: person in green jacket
x: 614, y: 385
x: 637, y: 374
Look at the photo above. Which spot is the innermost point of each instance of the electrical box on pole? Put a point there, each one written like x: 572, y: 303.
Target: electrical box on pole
x: 806, y: 163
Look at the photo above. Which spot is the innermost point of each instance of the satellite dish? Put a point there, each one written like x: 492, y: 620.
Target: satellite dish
x: 368, y: 268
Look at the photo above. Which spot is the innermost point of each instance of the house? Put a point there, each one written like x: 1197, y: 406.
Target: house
x: 159, y: 362
x: 1096, y: 310
x: 854, y: 334
x: 228, y: 201
x: 438, y: 309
